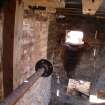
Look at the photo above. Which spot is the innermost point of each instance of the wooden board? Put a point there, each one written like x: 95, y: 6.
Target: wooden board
x: 79, y: 85
x: 46, y: 3
x: 90, y: 6
x: 101, y: 94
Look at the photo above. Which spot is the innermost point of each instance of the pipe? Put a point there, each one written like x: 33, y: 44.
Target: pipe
x: 43, y: 68
x: 22, y: 89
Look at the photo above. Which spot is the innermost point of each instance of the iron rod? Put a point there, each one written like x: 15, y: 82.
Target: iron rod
x: 15, y: 96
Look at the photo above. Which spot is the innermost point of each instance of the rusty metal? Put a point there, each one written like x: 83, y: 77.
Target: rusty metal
x: 43, y: 63
x: 21, y: 90
x: 18, y: 93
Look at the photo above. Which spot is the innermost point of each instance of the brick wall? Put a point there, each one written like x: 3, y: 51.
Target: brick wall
x: 85, y: 67
x: 57, y: 32
x: 32, y: 46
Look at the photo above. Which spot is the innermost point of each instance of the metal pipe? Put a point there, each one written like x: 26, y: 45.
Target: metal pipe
x: 22, y: 89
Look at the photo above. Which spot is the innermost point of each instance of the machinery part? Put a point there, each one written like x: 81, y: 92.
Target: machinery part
x: 48, y: 68
x: 43, y: 68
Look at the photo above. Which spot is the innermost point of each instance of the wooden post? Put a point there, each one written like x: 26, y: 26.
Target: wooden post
x: 8, y: 45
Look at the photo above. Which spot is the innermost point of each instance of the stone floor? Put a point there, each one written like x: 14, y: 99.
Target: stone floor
x: 64, y: 98
x: 71, y: 100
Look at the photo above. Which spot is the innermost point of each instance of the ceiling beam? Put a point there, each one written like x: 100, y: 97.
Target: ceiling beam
x: 78, y: 12
x: 45, y: 3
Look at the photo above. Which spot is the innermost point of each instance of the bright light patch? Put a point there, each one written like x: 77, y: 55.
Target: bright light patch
x: 57, y: 92
x: 26, y: 81
x: 81, y: 81
x: 95, y: 99
x: 75, y: 37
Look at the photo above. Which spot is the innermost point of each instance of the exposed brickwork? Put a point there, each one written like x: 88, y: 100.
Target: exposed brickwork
x: 85, y: 67
x: 33, y: 47
x: 30, y: 45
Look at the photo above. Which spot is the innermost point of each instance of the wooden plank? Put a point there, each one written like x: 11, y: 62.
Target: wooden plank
x: 46, y: 3
x: 8, y: 43
x: 90, y: 6
x: 101, y: 94
x: 78, y: 85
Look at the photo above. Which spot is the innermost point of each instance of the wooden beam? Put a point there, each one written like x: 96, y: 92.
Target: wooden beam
x: 90, y: 6
x: 46, y: 3
x: 67, y: 12
x: 8, y: 43
x: 78, y: 85
x: 19, y: 15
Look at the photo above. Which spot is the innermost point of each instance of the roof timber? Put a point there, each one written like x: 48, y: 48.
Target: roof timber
x: 45, y: 3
